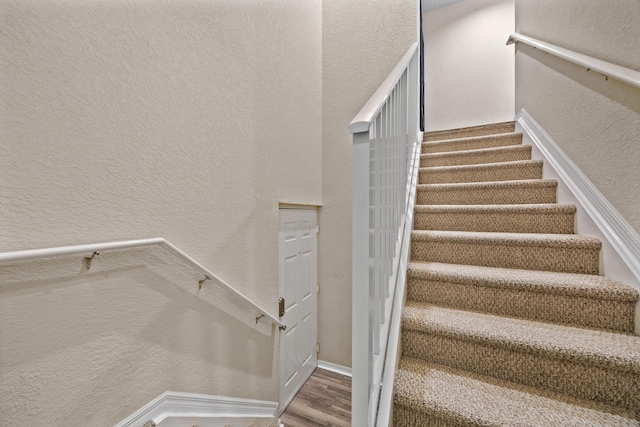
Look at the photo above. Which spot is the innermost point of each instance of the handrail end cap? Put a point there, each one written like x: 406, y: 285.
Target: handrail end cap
x: 359, y: 126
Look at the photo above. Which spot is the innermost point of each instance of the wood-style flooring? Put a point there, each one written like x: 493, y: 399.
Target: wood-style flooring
x: 324, y: 400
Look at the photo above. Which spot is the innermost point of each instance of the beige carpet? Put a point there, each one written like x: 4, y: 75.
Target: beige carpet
x: 507, y: 321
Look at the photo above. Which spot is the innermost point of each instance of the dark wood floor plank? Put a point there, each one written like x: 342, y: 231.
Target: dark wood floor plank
x: 324, y: 400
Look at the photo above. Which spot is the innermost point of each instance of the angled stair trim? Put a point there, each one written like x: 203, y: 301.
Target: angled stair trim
x: 611, y: 226
x: 181, y: 407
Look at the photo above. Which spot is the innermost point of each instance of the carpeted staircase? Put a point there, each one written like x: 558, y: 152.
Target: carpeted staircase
x: 507, y: 322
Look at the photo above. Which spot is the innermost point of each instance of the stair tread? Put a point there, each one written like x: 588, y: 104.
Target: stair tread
x: 590, y: 346
x: 520, y: 183
x: 477, y: 151
x: 484, y: 401
x: 509, y: 239
x: 539, y: 208
x: 481, y: 166
x: 585, y: 285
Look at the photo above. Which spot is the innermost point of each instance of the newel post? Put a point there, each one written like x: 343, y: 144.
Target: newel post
x: 362, y: 354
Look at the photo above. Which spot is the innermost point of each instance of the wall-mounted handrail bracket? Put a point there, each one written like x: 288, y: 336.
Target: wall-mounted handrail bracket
x: 200, y: 282
x: 259, y: 317
x: 89, y: 259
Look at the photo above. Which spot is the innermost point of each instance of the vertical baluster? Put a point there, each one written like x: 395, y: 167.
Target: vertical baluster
x: 394, y: 182
x: 404, y: 159
x: 388, y: 218
x: 379, y: 225
x: 383, y: 209
x: 399, y: 151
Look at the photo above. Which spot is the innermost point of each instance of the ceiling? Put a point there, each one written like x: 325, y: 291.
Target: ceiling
x: 428, y: 5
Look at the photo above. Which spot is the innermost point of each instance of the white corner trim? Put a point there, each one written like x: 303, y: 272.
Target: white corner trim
x: 176, y: 404
x: 338, y: 369
x: 622, y: 237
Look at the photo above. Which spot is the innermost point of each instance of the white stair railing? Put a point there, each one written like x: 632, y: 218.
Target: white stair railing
x: 94, y: 248
x: 386, y: 153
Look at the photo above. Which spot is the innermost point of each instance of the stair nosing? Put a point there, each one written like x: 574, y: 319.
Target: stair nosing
x: 540, y: 208
x: 520, y: 147
x: 509, y: 239
x: 514, y: 164
x: 472, y: 138
x: 481, y: 184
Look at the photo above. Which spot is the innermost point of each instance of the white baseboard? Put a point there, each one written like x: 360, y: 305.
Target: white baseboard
x: 338, y: 369
x: 595, y: 215
x: 173, y: 409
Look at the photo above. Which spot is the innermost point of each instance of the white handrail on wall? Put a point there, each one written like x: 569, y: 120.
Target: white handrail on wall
x: 623, y: 74
x: 32, y: 254
x: 386, y: 144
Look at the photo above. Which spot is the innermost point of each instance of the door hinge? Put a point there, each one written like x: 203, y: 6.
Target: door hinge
x: 317, y: 288
x: 280, y: 306
x: 317, y: 347
x: 317, y: 229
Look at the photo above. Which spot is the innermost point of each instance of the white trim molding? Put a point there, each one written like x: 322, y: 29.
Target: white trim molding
x: 174, y: 408
x: 596, y: 216
x: 332, y: 367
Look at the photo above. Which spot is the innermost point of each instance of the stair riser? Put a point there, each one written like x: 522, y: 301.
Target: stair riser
x: 485, y: 196
x: 558, y: 223
x: 472, y: 144
x: 484, y: 175
x: 560, y: 259
x: 542, y: 370
x: 432, y: 160
x: 470, y: 132
x: 407, y: 417
x: 562, y: 309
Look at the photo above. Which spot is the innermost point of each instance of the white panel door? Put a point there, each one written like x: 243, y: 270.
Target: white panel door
x: 298, y: 286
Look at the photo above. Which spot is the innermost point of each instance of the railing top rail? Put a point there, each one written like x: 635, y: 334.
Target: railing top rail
x: 364, y: 118
x: 623, y: 74
x: 32, y: 254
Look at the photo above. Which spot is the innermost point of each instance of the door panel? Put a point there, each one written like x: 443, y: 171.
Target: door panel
x: 298, y: 286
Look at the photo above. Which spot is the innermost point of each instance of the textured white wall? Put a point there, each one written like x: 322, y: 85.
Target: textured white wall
x: 595, y: 121
x: 469, y: 72
x: 362, y: 42
x: 188, y: 120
